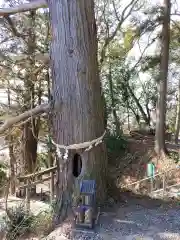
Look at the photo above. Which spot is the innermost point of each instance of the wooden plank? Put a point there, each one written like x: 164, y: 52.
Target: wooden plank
x: 35, y: 182
x: 33, y: 175
x: 146, y: 178
x: 98, y: 216
x: 164, y: 184
x: 52, y: 186
x: 43, y: 57
x: 161, y: 189
x: 76, y: 230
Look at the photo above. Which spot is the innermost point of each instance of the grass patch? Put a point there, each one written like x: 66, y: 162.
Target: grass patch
x: 174, y: 156
x: 18, y: 222
x: 43, y: 224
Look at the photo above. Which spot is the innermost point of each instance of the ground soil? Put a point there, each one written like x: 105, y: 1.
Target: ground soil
x: 132, y: 166
x: 145, y: 219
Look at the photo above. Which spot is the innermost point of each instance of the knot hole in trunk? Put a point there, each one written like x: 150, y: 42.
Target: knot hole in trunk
x: 77, y: 165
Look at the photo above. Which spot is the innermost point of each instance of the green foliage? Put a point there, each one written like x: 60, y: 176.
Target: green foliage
x: 115, y: 51
x: 175, y: 42
x: 54, y: 206
x: 18, y: 222
x: 129, y: 37
x: 174, y: 156
x: 115, y: 143
x: 43, y: 223
x: 150, y: 62
x: 42, y: 159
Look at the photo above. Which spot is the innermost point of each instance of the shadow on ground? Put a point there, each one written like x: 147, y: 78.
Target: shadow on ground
x: 138, y: 217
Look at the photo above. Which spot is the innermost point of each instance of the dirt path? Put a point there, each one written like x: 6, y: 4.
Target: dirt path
x: 137, y: 222
x: 144, y: 219
x: 133, y: 222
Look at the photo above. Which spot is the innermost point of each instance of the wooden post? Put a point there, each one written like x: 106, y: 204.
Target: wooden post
x: 52, y: 176
x: 152, y: 184
x: 11, y: 152
x: 41, y: 194
x: 27, y: 200
x: 164, y: 184
x: 52, y: 187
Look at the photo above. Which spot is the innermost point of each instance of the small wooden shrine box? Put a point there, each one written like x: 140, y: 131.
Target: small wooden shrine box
x: 85, y: 211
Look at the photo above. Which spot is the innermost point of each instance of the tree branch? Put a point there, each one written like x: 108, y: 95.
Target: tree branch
x: 38, y: 57
x: 175, y: 23
x: 23, y: 8
x: 13, y: 28
x: 125, y: 14
x: 14, y: 120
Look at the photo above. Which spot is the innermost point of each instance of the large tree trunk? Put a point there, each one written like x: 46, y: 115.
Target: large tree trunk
x: 30, y: 148
x: 162, y: 84
x: 78, y: 109
x: 177, y: 124
x: 30, y: 130
x: 27, y: 158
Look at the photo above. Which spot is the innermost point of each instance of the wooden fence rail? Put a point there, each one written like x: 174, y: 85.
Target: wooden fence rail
x: 37, y: 174
x: 148, y: 178
x: 31, y: 180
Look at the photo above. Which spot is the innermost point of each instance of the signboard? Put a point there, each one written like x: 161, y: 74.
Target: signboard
x: 150, y: 170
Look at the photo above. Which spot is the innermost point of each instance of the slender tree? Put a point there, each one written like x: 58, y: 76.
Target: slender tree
x: 177, y: 124
x: 113, y: 103
x: 162, y: 82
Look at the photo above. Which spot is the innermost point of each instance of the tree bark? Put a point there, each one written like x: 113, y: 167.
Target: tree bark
x: 30, y: 147
x: 76, y: 87
x: 162, y: 83
x: 30, y: 129
x: 106, y: 112
x: 11, y: 151
x: 136, y: 115
x: 145, y: 117
x: 50, y: 148
x: 177, y: 124
x: 113, y: 105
